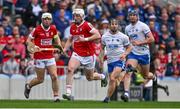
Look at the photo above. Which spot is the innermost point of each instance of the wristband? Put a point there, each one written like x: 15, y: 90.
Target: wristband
x: 86, y: 39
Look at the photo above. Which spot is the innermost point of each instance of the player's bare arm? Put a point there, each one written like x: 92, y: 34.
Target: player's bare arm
x: 31, y: 47
x: 101, y: 56
x: 128, y: 50
x: 58, y: 43
x: 68, y: 44
x: 149, y: 39
x: 95, y: 35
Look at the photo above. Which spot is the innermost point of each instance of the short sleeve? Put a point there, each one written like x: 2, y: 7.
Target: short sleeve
x: 146, y: 29
x: 126, y: 40
x: 89, y: 27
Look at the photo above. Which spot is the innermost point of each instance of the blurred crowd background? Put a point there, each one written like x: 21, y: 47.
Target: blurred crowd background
x: 19, y: 17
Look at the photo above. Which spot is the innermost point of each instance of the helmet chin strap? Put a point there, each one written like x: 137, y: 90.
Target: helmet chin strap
x: 45, y: 26
x: 78, y: 23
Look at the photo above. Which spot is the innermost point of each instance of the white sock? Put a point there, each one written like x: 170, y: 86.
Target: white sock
x: 28, y: 87
x: 126, y: 93
x: 102, y: 76
x: 68, y: 89
x: 56, y: 97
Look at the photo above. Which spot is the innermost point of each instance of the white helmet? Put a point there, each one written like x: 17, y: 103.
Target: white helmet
x: 79, y: 11
x: 46, y: 15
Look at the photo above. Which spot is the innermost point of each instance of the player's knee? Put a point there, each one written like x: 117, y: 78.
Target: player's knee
x: 149, y: 75
x: 70, y: 70
x: 112, y: 79
x: 40, y: 80
x: 54, y: 78
x: 89, y: 78
x: 128, y: 75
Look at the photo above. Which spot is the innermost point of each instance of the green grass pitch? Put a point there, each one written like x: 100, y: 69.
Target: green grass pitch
x: 84, y: 104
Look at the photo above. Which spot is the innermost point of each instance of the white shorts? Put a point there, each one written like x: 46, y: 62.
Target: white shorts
x: 88, y: 61
x: 42, y: 63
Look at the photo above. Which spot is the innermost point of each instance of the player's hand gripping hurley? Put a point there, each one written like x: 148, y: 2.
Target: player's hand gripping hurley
x: 33, y: 48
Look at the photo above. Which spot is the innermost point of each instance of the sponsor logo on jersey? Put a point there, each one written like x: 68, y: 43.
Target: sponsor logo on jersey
x: 46, y: 41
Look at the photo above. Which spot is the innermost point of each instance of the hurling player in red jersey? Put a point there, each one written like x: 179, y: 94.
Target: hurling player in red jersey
x: 82, y: 38
x: 44, y: 36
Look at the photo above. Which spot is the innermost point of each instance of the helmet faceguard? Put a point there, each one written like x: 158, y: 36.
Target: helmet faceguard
x: 132, y: 11
x: 79, y: 11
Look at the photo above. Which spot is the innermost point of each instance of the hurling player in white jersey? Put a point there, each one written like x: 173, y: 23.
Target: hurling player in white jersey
x: 140, y: 36
x: 118, y: 47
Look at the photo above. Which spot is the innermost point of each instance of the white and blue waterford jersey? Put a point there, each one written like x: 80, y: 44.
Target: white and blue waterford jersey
x: 138, y: 32
x: 114, y: 45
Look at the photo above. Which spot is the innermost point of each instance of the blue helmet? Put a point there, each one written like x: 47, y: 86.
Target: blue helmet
x: 132, y: 11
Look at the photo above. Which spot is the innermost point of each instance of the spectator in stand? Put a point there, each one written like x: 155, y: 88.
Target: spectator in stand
x: 90, y: 15
x: 177, y: 20
x: 110, y: 9
x: 52, y: 6
x: 165, y: 20
x: 164, y: 10
x: 67, y: 12
x: 20, y: 7
x: 44, y: 10
x: 150, y: 11
x: 32, y: 13
x: 157, y: 8
x: 119, y: 9
x: 170, y: 11
x: 61, y: 22
x: 176, y: 12
x: 104, y: 26
x: 170, y: 44
x: 96, y: 6
x: 7, y: 27
x: 1, y: 15
x: 11, y: 66
x: 140, y: 6
x: 79, y: 4
x: 173, y: 68
x: 3, y: 38
x: 174, y: 54
x: 156, y: 23
x: 164, y: 35
x: 3, y: 42
x: 19, y: 47
x: 7, y: 49
x: 22, y: 28
x: 9, y: 4
x: 22, y: 66
x: 177, y: 37
x: 160, y: 63
x: 122, y: 22
x: 153, y: 46
x: 154, y: 32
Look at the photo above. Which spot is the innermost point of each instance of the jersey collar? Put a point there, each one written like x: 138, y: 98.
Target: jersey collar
x: 44, y: 28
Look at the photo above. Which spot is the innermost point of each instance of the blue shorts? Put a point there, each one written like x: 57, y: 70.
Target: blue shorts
x: 142, y: 59
x: 112, y: 65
